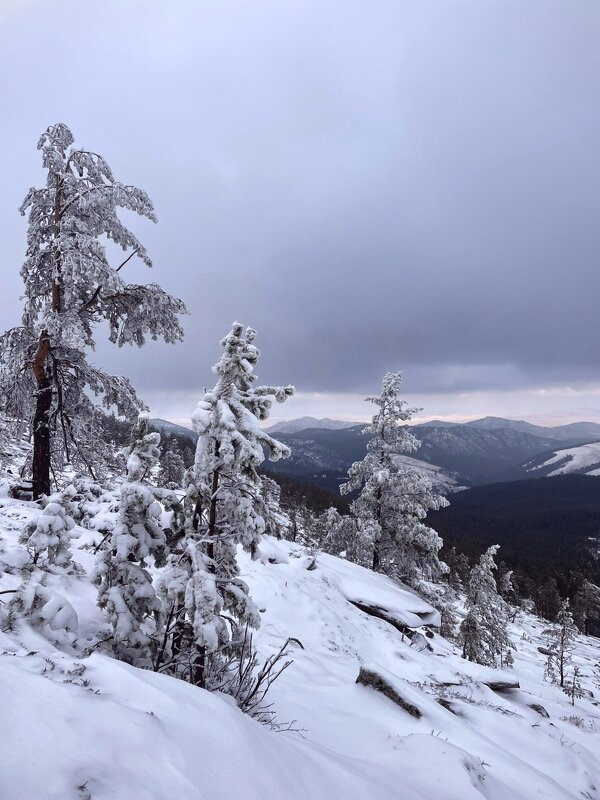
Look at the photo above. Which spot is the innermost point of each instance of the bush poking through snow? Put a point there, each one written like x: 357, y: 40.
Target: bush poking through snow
x: 368, y: 677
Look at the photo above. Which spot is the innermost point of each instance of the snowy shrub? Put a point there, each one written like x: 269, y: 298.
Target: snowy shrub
x: 125, y: 589
x: 49, y: 537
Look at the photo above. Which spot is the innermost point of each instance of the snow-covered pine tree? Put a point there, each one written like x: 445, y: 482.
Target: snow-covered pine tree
x: 125, y: 587
x: 209, y: 606
x: 483, y: 631
x: 561, y: 637
x: 49, y: 537
x: 574, y: 689
x: 70, y: 287
x: 393, y: 498
x: 172, y: 468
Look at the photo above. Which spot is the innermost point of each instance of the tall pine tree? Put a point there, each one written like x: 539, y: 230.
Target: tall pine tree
x: 208, y: 604
x: 394, y: 498
x: 71, y: 286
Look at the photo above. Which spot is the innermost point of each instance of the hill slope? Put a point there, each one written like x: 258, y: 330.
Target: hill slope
x: 100, y: 729
x: 582, y: 459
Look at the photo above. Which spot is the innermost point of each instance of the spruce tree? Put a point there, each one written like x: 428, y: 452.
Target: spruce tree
x: 70, y: 287
x: 125, y: 587
x: 208, y: 605
x: 484, y: 632
x: 561, y: 637
x: 393, y: 498
x: 172, y: 467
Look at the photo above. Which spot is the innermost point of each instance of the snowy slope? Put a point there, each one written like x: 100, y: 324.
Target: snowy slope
x: 584, y: 459
x: 118, y: 732
x: 443, y: 480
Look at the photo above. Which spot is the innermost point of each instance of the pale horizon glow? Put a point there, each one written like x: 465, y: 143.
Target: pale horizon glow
x: 555, y: 406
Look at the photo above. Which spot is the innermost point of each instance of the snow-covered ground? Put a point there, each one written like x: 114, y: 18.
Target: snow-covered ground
x: 96, y: 728
x: 584, y: 458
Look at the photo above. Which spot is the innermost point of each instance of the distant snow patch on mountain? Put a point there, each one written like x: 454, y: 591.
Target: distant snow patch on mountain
x: 582, y: 459
x: 443, y: 480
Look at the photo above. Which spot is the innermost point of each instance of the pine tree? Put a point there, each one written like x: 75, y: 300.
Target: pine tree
x: 586, y: 606
x: 546, y: 597
x: 49, y: 537
x: 209, y: 606
x: 458, y: 569
x: 393, y: 498
x: 172, y: 466
x: 573, y: 689
x: 484, y: 630
x: 561, y: 637
x: 70, y: 287
x: 125, y: 585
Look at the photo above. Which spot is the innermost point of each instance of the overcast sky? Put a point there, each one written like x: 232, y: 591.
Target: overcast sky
x: 372, y: 185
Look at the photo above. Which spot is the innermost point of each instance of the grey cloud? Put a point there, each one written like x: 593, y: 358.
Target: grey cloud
x: 371, y: 185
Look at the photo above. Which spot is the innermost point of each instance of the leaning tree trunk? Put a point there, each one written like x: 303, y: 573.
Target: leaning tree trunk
x: 41, y: 420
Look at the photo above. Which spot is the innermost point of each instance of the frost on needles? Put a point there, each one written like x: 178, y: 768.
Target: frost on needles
x: 71, y: 283
x: 208, y: 606
x: 387, y: 531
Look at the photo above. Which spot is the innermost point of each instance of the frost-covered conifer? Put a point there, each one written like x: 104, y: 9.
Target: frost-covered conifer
x: 48, y: 540
x: 573, y: 689
x: 125, y: 586
x: 561, y: 637
x: 71, y: 285
x: 49, y: 537
x: 393, y: 498
x: 208, y: 603
x: 41, y: 607
x: 484, y: 630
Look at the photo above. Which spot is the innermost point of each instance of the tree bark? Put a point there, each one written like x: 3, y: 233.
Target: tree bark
x: 41, y: 420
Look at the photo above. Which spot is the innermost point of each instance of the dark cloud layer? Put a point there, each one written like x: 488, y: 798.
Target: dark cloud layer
x: 371, y: 185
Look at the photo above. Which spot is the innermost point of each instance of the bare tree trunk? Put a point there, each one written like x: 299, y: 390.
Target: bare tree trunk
x: 41, y: 420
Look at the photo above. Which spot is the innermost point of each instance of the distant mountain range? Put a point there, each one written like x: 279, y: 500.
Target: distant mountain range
x: 574, y: 430
x: 477, y: 452
x: 312, y: 423
x: 455, y: 455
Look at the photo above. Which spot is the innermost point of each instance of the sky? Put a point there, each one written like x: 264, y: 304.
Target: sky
x: 373, y: 186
